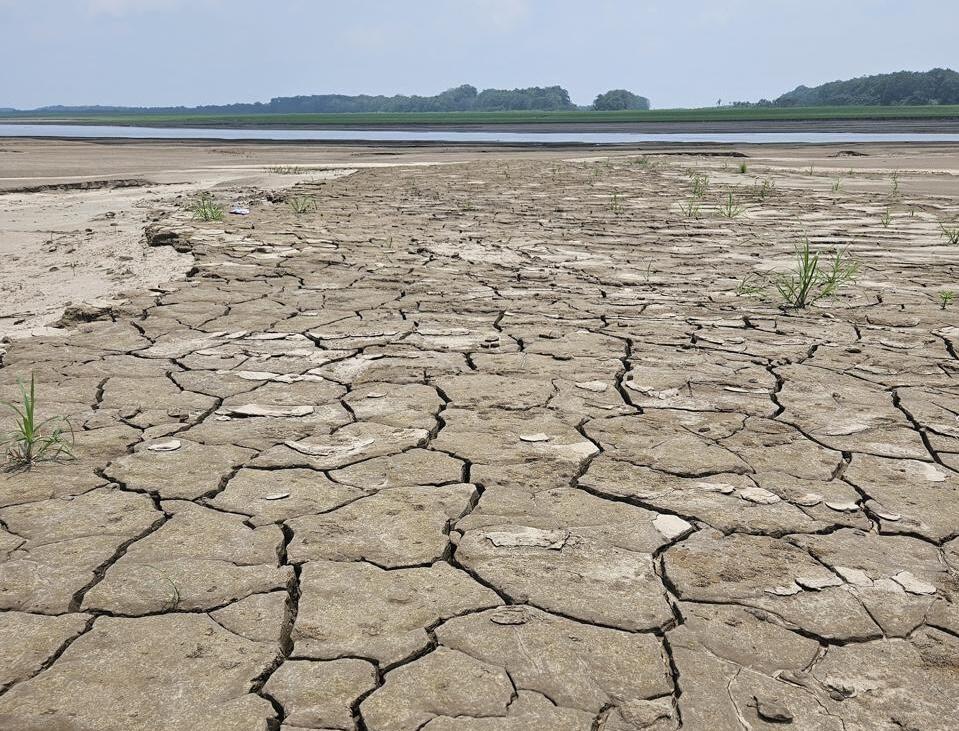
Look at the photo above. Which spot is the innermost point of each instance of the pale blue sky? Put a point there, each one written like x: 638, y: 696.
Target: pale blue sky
x: 677, y: 52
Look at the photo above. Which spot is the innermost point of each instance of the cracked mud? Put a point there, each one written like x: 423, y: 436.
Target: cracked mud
x: 483, y: 447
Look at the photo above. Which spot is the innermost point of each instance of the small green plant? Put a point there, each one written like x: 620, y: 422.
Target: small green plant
x: 945, y: 298
x: 950, y: 233
x: 837, y: 185
x: 729, y: 209
x: 764, y: 189
x: 32, y: 441
x: 810, y: 282
x: 811, y: 170
x: 690, y: 210
x: 743, y: 168
x: 206, y: 209
x: 700, y: 185
x: 894, y: 193
x: 616, y: 204
x: 302, y: 204
x: 885, y: 219
x: 750, y: 285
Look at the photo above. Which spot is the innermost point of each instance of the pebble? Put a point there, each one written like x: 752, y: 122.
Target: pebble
x: 809, y: 499
x: 276, y: 496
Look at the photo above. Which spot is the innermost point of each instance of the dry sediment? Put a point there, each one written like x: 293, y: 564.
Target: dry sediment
x: 498, y: 446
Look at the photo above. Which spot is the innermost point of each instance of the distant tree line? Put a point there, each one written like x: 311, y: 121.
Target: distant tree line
x: 465, y: 98
x: 902, y: 88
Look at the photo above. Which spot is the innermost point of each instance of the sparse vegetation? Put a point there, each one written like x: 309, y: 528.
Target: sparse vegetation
x: 837, y: 185
x: 205, y: 208
x: 690, y: 210
x: 945, y: 298
x: 730, y: 209
x: 700, y: 185
x: 750, y: 285
x: 764, y: 188
x: 886, y: 218
x: 950, y: 232
x: 302, y: 204
x: 810, y: 282
x: 616, y: 204
x: 743, y: 168
x: 287, y: 170
x: 32, y: 441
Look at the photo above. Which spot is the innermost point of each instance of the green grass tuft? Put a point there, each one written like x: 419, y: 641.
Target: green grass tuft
x: 302, y: 204
x: 729, y: 209
x: 32, y: 441
x: 810, y: 282
x: 206, y: 209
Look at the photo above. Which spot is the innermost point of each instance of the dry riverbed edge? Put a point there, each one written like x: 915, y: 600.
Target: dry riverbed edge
x: 479, y: 448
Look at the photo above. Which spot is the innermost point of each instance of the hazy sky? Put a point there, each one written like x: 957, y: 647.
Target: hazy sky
x: 677, y: 52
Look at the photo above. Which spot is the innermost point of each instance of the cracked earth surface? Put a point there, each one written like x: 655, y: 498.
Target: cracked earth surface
x: 482, y: 447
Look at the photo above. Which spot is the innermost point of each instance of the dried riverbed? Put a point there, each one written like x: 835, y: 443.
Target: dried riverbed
x: 498, y: 445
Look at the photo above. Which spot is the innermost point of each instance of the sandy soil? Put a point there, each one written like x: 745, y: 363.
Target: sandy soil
x: 511, y: 444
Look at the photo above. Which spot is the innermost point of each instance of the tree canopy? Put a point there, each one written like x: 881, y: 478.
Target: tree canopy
x: 617, y: 99
x: 938, y: 86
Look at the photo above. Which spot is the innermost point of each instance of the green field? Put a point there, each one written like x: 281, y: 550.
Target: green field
x: 708, y: 114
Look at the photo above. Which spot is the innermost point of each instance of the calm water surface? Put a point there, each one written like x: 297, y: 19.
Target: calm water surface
x: 487, y: 136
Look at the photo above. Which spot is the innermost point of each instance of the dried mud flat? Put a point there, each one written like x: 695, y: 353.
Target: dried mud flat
x: 498, y: 446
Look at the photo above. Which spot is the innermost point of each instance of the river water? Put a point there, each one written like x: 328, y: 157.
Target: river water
x: 451, y: 135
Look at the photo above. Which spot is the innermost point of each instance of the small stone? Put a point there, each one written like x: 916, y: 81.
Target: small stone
x: 168, y: 445
x: 276, y: 496
x: 759, y: 495
x: 913, y: 585
x: 539, y: 437
x: 809, y: 499
x: 788, y: 590
x: 375, y: 394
